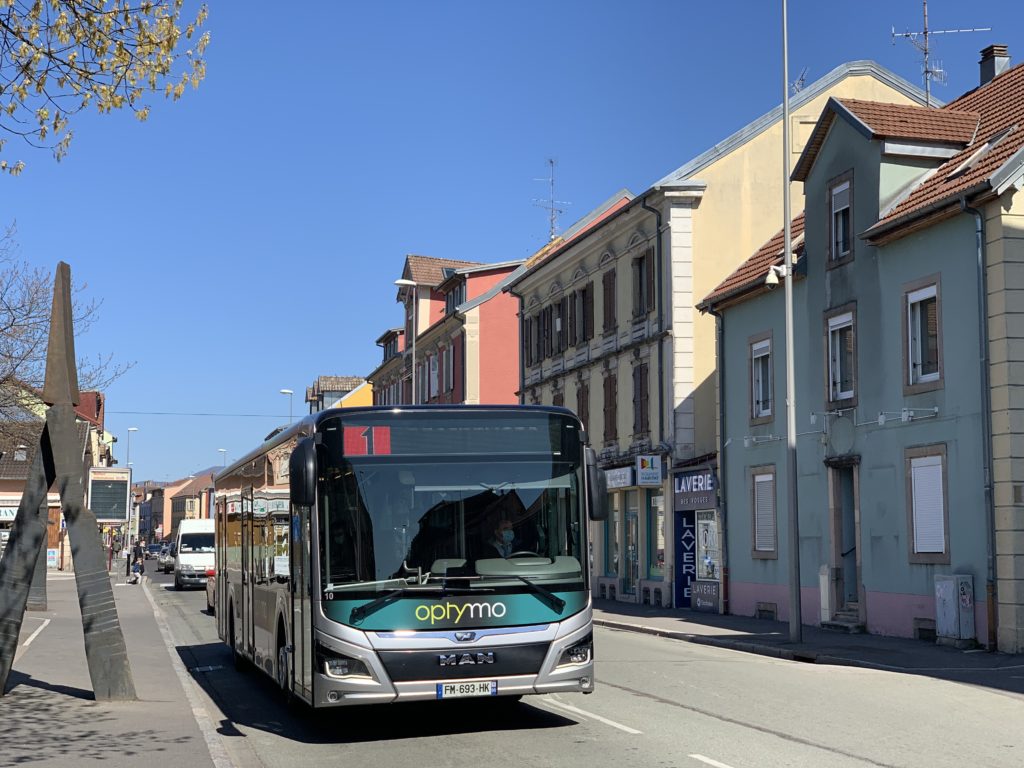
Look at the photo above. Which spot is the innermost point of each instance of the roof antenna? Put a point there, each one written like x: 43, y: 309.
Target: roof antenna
x: 919, y: 40
x: 798, y: 84
x: 550, y: 204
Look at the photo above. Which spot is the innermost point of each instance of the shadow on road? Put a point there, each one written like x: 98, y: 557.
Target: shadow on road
x: 251, y: 699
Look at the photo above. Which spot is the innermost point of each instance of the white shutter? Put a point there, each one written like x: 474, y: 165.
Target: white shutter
x: 929, y: 517
x: 764, y: 513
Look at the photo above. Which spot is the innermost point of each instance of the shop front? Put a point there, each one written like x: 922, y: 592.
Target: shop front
x: 696, y: 534
x: 631, y: 545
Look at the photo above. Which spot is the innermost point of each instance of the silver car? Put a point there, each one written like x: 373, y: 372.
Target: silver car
x: 165, y: 560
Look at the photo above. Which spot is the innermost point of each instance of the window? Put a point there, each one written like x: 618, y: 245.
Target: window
x: 841, y: 357
x: 643, y: 283
x: 761, y: 378
x: 655, y: 534
x: 449, y: 369
x: 611, y: 536
x: 641, y: 400
x: 841, y: 219
x: 764, y: 513
x: 583, y: 404
x: 585, y: 314
x: 610, y: 414
x: 454, y: 298
x: 926, y: 504
x: 922, y: 339
x: 609, y: 301
x: 527, y: 333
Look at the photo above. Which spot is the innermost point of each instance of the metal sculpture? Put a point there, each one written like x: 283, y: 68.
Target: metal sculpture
x: 58, y: 460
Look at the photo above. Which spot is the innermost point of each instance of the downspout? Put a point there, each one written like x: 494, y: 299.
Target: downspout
x: 722, y: 485
x: 661, y: 314
x: 522, y: 349
x: 986, y: 417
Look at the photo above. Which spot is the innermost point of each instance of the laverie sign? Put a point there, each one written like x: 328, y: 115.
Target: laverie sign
x: 695, y: 490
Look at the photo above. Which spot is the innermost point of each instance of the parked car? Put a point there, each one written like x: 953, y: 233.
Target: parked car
x: 165, y: 560
x: 153, y: 550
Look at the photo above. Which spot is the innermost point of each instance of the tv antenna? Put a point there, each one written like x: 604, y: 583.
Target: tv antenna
x: 798, y: 84
x: 550, y: 204
x: 930, y: 70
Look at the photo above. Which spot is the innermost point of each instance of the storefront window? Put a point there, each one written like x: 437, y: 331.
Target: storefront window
x: 655, y: 534
x: 611, y: 536
x: 631, y: 536
x: 708, y: 553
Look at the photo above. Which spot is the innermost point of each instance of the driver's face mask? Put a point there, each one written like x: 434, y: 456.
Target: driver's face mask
x: 507, y: 536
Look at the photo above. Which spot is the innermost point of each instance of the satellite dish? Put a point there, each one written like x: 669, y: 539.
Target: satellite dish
x: 840, y: 436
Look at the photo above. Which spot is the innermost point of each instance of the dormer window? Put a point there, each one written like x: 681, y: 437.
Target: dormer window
x: 21, y: 453
x: 840, y: 195
x: 454, y: 297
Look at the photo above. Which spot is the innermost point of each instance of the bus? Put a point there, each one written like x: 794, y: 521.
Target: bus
x: 391, y: 554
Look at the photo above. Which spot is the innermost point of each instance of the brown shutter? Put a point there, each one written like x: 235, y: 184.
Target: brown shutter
x: 645, y: 399
x: 636, y: 400
x: 571, y: 342
x: 649, y: 264
x: 563, y: 326
x: 583, y: 405
x: 549, y: 314
x: 609, y: 408
x: 638, y: 293
x: 609, y: 300
x: 588, y: 312
x: 527, y: 351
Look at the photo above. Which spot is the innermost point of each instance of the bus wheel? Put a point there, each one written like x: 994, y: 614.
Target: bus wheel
x: 282, y: 670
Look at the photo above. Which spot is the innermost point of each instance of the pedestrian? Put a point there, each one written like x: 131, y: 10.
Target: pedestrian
x: 127, y: 559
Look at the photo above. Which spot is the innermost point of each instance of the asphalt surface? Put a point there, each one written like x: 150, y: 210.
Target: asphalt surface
x: 661, y: 701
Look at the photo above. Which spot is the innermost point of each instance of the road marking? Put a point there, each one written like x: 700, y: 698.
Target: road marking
x: 709, y: 761
x: 218, y: 753
x: 584, y: 713
x: 35, y: 634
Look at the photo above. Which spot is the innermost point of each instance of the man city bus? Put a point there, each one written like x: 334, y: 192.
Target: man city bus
x: 409, y: 553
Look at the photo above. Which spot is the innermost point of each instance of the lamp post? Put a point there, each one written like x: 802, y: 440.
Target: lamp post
x: 131, y: 500
x: 289, y: 393
x: 403, y: 283
x: 795, y: 624
x: 223, y: 456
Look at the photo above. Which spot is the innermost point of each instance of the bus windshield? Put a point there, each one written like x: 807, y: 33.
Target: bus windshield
x: 456, y: 498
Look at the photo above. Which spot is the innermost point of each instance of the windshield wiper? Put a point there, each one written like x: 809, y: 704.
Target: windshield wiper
x: 553, y: 600
x: 360, y: 612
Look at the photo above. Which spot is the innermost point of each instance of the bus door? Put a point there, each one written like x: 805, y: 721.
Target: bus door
x: 248, y: 573
x: 302, y: 617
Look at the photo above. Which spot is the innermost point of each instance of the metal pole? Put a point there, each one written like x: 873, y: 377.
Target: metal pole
x: 795, y: 624
x: 414, y: 346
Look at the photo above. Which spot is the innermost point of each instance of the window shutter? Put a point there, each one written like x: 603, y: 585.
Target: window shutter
x: 649, y: 263
x: 609, y: 301
x: 563, y: 327
x: 645, y: 412
x: 764, y: 513
x: 527, y: 332
x: 929, y: 516
x: 638, y: 295
x: 609, y: 408
x: 583, y: 405
x: 588, y: 312
x: 573, y: 300
x: 636, y: 400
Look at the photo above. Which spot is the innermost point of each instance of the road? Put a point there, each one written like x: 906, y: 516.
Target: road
x: 659, y: 703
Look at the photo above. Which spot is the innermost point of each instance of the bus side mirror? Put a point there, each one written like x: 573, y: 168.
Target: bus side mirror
x: 302, y: 473
x: 597, y: 487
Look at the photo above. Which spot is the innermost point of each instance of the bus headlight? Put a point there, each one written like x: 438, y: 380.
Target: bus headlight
x: 339, y: 666
x: 580, y: 652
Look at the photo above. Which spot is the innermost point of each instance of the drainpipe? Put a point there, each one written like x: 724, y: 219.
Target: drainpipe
x: 722, y: 493
x: 986, y: 416
x: 661, y: 314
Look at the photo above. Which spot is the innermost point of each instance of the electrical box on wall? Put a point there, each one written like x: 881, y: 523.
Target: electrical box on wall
x: 954, y: 610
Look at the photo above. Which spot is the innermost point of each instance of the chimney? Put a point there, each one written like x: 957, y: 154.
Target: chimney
x: 994, y: 60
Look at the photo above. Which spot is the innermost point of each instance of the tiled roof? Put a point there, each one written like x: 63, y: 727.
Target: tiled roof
x: 1000, y: 103
x: 427, y: 270
x: 751, y: 273
x: 903, y: 121
x: 338, y: 383
x: 201, y: 482
x: 12, y: 466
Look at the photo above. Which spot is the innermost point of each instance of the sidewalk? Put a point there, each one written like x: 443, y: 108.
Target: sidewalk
x: 49, y: 714
x: 820, y: 646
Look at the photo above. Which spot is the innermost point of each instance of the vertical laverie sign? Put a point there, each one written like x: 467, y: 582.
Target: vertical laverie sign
x: 693, y: 490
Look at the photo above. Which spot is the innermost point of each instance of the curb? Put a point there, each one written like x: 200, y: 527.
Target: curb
x: 788, y: 654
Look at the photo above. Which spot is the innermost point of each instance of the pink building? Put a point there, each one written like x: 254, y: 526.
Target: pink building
x: 467, y: 336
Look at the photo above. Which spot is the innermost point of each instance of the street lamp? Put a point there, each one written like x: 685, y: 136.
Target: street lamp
x: 795, y: 609
x: 289, y: 393
x: 223, y: 456
x: 131, y: 496
x: 404, y: 283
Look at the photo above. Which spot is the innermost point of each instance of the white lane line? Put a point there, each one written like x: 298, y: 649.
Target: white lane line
x: 584, y: 713
x: 709, y: 761
x: 218, y: 753
x: 35, y: 634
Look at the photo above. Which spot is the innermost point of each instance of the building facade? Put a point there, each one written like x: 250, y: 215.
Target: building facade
x: 610, y: 328
x: 909, y: 522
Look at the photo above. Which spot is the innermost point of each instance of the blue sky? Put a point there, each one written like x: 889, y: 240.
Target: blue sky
x: 246, y: 239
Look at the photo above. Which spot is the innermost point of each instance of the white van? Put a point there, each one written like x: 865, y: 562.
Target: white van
x: 193, y: 553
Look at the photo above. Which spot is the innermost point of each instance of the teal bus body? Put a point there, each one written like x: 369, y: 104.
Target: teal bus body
x: 374, y: 555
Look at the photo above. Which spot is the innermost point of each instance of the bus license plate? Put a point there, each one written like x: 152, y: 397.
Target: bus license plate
x: 461, y: 690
